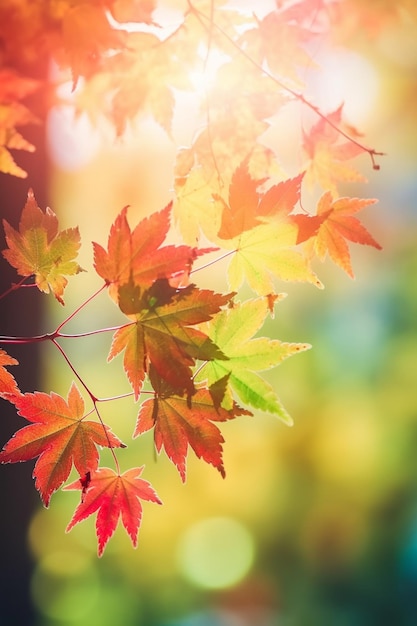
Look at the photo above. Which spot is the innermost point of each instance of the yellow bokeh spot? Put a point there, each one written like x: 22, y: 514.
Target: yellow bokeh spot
x: 216, y: 553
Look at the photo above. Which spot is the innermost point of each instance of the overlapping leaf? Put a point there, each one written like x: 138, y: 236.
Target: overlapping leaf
x: 113, y: 496
x: 59, y: 435
x: 162, y: 333
x: 233, y: 331
x: 138, y: 255
x: 267, y: 252
x: 38, y: 249
x: 181, y: 422
x: 247, y: 207
x: 338, y: 227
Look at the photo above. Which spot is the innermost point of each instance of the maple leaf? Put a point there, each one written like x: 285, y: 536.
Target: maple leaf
x: 14, y: 87
x: 248, y: 207
x: 8, y: 384
x: 195, y: 210
x: 38, y: 249
x: 180, y: 421
x: 87, y: 36
x: 138, y: 256
x: 162, y: 333
x: 338, y: 226
x: 114, y: 496
x: 59, y: 435
x: 133, y: 10
x: 260, y: 228
x: 233, y: 330
x: 327, y: 152
x: 153, y: 91
x: 278, y: 40
x: 264, y: 252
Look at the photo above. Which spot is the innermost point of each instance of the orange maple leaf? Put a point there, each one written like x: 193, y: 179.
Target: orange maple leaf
x: 8, y: 384
x: 327, y: 151
x: 113, y: 496
x: 13, y: 88
x: 180, y: 422
x: 138, y: 255
x: 338, y: 226
x: 39, y: 249
x: 59, y: 435
x: 87, y: 35
x: 247, y: 207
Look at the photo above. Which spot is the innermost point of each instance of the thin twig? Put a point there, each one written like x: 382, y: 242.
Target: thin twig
x: 297, y: 95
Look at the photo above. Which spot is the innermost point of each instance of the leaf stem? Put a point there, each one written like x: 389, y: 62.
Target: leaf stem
x: 74, y: 371
x: 113, y: 453
x: 16, y: 286
x: 206, y: 265
x: 78, y: 309
x: 97, y: 331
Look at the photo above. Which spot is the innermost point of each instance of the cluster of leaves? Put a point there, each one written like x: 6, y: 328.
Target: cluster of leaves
x: 198, y: 350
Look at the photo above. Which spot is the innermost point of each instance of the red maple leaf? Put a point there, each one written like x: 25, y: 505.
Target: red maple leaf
x: 180, y: 421
x: 113, y: 496
x: 136, y: 255
x: 8, y: 384
x: 59, y: 435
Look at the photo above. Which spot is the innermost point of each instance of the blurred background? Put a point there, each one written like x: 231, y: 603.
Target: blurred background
x: 314, y: 525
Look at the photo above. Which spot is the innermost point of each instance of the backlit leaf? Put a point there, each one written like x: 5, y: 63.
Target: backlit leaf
x: 39, y: 249
x: 113, y: 496
x: 7, y: 381
x: 162, y: 333
x: 338, y: 228
x: 59, y: 435
x: 233, y: 331
x: 180, y: 422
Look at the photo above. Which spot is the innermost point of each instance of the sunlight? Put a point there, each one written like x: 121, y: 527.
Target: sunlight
x: 203, y: 77
x: 345, y: 77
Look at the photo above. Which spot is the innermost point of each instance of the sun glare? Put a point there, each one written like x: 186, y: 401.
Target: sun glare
x: 209, y: 61
x: 345, y: 77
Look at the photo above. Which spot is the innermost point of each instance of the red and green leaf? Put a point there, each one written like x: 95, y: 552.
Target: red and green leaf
x: 162, y: 333
x: 38, y: 249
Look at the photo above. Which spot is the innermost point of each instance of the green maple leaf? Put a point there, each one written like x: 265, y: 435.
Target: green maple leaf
x: 232, y: 330
x: 265, y: 252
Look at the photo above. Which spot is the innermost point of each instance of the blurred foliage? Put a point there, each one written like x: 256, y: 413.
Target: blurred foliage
x: 331, y: 504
